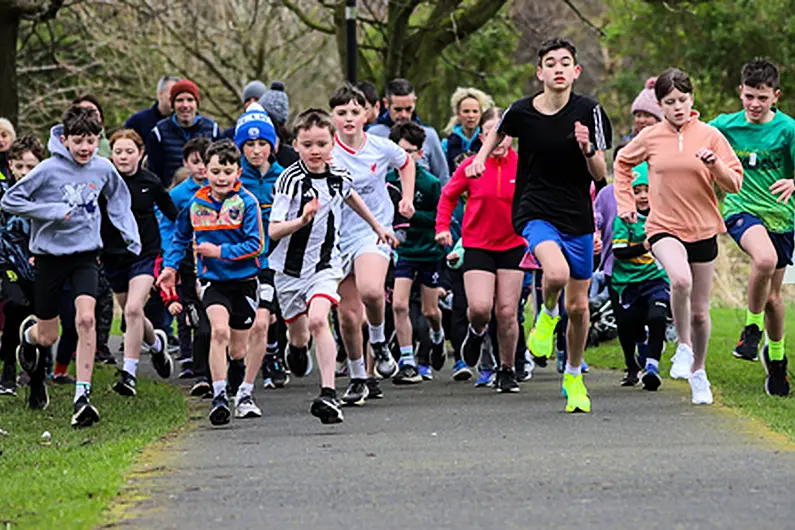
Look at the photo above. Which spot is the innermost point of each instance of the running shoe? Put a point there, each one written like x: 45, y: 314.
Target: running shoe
x: 162, y: 360
x: 425, y: 372
x: 245, y: 407
x: 27, y: 354
x: 277, y: 376
x: 385, y: 365
x: 631, y: 378
x: 326, y: 407
x: 374, y: 389
x: 356, y: 393
x: 526, y: 372
x: 471, y: 347
x: 63, y: 379
x: 299, y: 361
x: 506, y: 381
x: 201, y: 388
x: 407, y: 375
x: 747, y: 347
x: 8, y: 387
x: 125, y: 386
x: 542, y: 338
x: 539, y: 361
x: 699, y: 384
x: 776, y: 379
x: 486, y: 378
x: 461, y: 372
x: 576, y: 394
x: 38, y: 399
x: 220, y: 413
x: 104, y: 356
x: 186, y: 373
x: 85, y: 414
x: 438, y: 355
x: 651, y: 378
x: 682, y: 362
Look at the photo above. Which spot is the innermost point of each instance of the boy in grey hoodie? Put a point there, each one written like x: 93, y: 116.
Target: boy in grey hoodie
x: 60, y: 198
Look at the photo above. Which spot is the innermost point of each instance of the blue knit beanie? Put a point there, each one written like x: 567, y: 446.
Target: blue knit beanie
x: 254, y: 124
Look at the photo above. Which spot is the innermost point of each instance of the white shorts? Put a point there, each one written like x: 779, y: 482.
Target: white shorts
x: 353, y: 247
x: 295, y: 294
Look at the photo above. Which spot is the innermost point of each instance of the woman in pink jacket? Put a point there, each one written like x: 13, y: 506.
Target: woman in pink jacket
x: 686, y: 158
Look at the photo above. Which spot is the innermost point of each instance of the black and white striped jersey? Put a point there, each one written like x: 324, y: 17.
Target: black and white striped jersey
x: 315, y: 247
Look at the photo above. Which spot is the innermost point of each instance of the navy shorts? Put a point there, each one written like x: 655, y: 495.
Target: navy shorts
x: 783, y: 242
x: 639, y: 300
x: 120, y: 272
x: 428, y: 272
x: 578, y: 250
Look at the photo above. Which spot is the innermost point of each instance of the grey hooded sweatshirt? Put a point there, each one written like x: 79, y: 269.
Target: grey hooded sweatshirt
x: 60, y: 187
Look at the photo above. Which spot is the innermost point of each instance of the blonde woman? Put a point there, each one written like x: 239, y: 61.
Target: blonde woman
x: 467, y: 105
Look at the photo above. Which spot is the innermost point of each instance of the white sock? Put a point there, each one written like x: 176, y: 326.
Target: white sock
x: 219, y: 387
x: 245, y: 389
x: 377, y: 333
x: 27, y: 336
x: 81, y: 388
x: 653, y: 362
x: 356, y: 368
x: 407, y: 355
x: 130, y: 366
x: 576, y: 371
x: 157, y: 346
x: 437, y: 336
x: 551, y: 312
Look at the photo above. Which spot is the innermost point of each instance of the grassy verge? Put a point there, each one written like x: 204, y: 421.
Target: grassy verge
x: 738, y: 384
x: 68, y: 481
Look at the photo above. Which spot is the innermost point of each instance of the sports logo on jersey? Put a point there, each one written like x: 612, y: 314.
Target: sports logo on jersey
x: 374, y: 167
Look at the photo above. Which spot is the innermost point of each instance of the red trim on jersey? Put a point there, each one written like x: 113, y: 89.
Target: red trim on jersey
x: 345, y: 147
x: 406, y: 163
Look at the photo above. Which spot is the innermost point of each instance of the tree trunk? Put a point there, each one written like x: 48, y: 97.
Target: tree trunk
x: 9, y: 99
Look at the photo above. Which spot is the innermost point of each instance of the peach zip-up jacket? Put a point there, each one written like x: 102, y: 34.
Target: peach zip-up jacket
x: 681, y: 193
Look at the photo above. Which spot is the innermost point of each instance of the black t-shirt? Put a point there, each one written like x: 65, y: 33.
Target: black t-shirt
x: 552, y: 180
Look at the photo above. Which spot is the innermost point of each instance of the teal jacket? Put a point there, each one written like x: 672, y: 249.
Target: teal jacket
x: 420, y: 244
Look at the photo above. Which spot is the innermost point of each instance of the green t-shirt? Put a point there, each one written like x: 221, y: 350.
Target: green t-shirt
x: 767, y: 152
x: 639, y: 269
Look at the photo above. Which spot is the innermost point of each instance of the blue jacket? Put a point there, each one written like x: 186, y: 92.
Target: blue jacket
x: 144, y: 121
x: 262, y: 188
x: 164, y: 145
x: 458, y: 144
x: 180, y: 196
x: 235, y: 225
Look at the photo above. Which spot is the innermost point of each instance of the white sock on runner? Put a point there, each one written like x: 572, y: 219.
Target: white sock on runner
x: 245, y: 389
x: 356, y: 368
x: 219, y: 387
x: 376, y: 333
x: 551, y: 312
x: 437, y: 336
x: 81, y: 387
x: 130, y: 366
x: 573, y: 370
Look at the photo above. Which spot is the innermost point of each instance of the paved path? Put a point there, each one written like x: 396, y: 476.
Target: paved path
x: 446, y: 455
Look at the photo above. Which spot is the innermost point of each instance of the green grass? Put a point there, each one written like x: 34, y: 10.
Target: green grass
x: 69, y: 482
x: 737, y: 384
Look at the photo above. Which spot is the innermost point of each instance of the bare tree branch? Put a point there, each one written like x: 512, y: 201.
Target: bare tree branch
x: 308, y: 20
x: 585, y: 20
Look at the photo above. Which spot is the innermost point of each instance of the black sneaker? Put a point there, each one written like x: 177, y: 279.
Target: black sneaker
x: 506, y: 381
x: 777, y: 380
x: 747, y: 347
x: 38, y: 399
x: 201, y: 388
x: 103, y: 356
x: 85, y: 414
x: 276, y: 373
x: 539, y: 361
x: 125, y: 386
x: 374, y: 389
x: 27, y: 354
x: 63, y: 379
x: 631, y: 378
x: 299, y: 361
x: 407, y: 375
x: 356, y: 393
x: 186, y: 373
x: 385, y: 364
x: 326, y: 407
x: 8, y: 380
x: 471, y: 347
x: 162, y: 360
x: 220, y: 412
x: 438, y: 356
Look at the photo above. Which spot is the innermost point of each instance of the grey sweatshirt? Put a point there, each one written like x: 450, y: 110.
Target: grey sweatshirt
x: 58, y: 187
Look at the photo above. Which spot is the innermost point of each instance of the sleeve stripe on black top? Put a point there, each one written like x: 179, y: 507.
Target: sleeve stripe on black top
x: 599, y: 132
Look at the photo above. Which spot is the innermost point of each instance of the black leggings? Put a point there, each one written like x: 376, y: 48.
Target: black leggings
x: 632, y: 325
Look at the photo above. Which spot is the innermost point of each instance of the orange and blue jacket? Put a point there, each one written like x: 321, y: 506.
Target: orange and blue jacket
x: 234, y: 224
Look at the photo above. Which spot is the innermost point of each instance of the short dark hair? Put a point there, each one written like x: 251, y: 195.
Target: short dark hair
x: 195, y: 145
x: 556, y: 43
x: 760, y: 72
x: 313, y: 118
x: 346, y: 93
x: 673, y: 78
x: 398, y: 87
x: 79, y: 121
x: 410, y: 131
x: 23, y: 145
x: 490, y: 114
x: 369, y: 90
x: 226, y: 151
x: 94, y: 101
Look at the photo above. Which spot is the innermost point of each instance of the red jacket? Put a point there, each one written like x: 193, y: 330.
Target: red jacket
x: 488, y: 221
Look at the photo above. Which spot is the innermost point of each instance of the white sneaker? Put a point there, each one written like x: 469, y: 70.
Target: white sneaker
x: 246, y: 408
x: 699, y: 384
x: 682, y: 362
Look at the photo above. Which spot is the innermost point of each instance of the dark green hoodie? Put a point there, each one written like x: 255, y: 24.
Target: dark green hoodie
x: 420, y: 242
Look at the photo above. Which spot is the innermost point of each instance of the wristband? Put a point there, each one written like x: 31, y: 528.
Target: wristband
x: 592, y: 152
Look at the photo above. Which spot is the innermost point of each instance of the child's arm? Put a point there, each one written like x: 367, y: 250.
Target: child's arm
x: 723, y: 163
x: 279, y: 229
x: 154, y: 153
x: 357, y: 205
x: 163, y: 200
x: 408, y: 174
x: 623, y: 248
x: 426, y: 217
x: 18, y: 199
x: 254, y: 242
x: 119, y: 210
x: 183, y: 236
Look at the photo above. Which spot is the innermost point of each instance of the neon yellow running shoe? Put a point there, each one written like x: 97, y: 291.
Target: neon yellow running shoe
x: 576, y: 394
x: 542, y: 339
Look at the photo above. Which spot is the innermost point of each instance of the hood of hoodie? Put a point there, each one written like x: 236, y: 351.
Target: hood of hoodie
x: 57, y: 147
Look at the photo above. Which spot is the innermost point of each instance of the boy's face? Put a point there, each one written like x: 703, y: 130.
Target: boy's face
x: 643, y: 119
x: 20, y: 167
x: 81, y: 147
x: 222, y: 176
x: 349, y: 119
x: 757, y: 101
x: 185, y: 106
x: 401, y: 108
x: 641, y: 197
x: 5, y: 140
x: 257, y: 152
x: 314, y: 146
x: 195, y: 166
x: 126, y: 156
x: 676, y: 106
x: 557, y: 70
x: 413, y: 151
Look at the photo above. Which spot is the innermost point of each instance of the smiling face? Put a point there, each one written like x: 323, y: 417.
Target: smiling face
x: 81, y: 147
x: 676, y: 106
x: 23, y: 165
x: 502, y: 148
x: 257, y: 152
x: 557, y: 70
x: 349, y: 119
x: 185, y: 106
x: 126, y: 156
x: 469, y: 114
x: 222, y: 177
x: 641, y: 197
x: 314, y: 146
x: 757, y: 102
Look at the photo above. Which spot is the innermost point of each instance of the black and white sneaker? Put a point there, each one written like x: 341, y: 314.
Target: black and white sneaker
x: 407, y: 375
x: 326, y: 407
x: 506, y: 381
x: 201, y: 388
x: 277, y: 375
x: 125, y: 386
x: 631, y: 378
x: 299, y: 360
x: 85, y: 414
x: 747, y: 347
x: 385, y: 365
x: 8, y: 379
x: 220, y: 413
x: 103, y: 356
x: 38, y: 399
x: 27, y: 354
x: 374, y: 389
x: 777, y: 380
x: 471, y: 347
x: 438, y: 355
x: 245, y: 407
x: 162, y: 360
x: 356, y: 393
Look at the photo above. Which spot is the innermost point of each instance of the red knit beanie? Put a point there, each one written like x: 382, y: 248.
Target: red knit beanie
x: 184, y: 86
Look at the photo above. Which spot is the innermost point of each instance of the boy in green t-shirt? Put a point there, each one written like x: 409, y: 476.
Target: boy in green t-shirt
x: 641, y: 284
x: 761, y: 217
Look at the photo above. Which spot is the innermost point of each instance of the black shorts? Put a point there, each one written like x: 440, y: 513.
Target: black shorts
x: 476, y: 259
x: 119, y: 272
x: 240, y: 298
x: 267, y: 291
x: 703, y: 251
x: 426, y: 271
x: 81, y: 270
